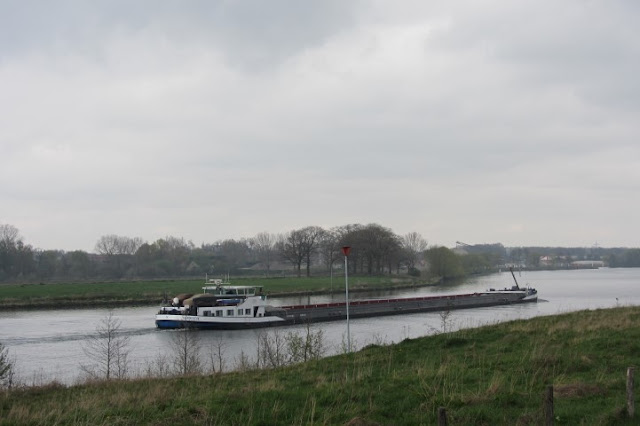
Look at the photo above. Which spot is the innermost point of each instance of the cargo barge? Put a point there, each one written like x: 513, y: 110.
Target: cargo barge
x: 223, y: 306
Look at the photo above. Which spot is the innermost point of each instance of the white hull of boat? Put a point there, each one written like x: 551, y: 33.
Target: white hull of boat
x: 219, y: 323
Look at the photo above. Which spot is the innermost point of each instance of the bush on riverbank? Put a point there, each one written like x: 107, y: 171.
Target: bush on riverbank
x: 490, y: 375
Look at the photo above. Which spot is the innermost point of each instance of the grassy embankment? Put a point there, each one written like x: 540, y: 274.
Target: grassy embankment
x: 486, y: 376
x: 152, y: 292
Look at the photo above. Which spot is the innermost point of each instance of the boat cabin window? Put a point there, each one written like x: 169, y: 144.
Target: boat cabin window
x: 247, y: 311
x: 218, y: 312
x: 229, y: 312
x: 207, y: 313
x: 234, y: 291
x: 240, y: 312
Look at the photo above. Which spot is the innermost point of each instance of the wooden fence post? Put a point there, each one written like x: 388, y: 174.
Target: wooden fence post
x: 548, y: 406
x: 631, y: 408
x: 442, y: 416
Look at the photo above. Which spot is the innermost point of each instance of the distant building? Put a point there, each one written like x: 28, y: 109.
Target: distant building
x: 587, y: 264
x: 546, y: 261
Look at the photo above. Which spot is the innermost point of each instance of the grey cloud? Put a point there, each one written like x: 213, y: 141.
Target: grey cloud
x: 162, y: 115
x: 252, y: 34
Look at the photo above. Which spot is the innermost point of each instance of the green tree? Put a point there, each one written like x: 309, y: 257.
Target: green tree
x: 374, y: 248
x: 414, y: 246
x: 444, y: 263
x: 80, y: 264
x: 233, y: 255
x: 47, y: 263
x: 169, y: 256
x: 632, y: 258
x: 16, y: 258
x: 264, y: 246
x: 476, y: 263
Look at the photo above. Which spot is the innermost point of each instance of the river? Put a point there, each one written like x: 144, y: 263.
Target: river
x: 47, y: 345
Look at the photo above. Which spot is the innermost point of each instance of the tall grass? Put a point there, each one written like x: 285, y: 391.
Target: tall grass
x: 486, y: 376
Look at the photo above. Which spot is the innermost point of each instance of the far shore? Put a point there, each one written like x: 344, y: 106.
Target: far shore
x: 101, y: 295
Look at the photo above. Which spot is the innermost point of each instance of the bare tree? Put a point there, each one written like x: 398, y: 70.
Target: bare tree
x: 445, y: 320
x: 305, y: 347
x: 185, y: 346
x: 118, y: 248
x: 216, y: 354
x: 7, y: 370
x: 276, y: 349
x: 414, y: 246
x: 272, y: 351
x: 159, y: 366
x: 109, y: 349
x: 243, y: 362
x: 9, y: 233
x: 290, y: 247
x: 264, y: 244
x: 312, y: 237
x: 330, y: 247
x: 116, y: 244
x: 298, y: 246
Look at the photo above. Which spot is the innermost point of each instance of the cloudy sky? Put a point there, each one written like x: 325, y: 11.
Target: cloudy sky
x: 477, y: 121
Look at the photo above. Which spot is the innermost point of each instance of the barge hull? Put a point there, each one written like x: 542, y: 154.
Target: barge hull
x: 298, y: 314
x: 212, y: 323
x: 373, y: 308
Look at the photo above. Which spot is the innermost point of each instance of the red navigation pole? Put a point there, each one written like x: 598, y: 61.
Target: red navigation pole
x: 345, y: 251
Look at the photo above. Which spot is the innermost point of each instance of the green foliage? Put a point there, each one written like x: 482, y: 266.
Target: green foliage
x: 491, y: 375
x: 444, y: 263
x: 375, y: 250
x: 629, y: 259
x: 476, y: 263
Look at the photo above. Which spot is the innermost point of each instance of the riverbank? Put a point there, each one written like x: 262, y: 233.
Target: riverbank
x: 490, y: 375
x: 147, y: 293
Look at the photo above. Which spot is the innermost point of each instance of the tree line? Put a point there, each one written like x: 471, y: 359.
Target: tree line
x: 375, y: 250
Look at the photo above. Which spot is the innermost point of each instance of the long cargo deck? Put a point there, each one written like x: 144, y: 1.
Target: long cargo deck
x: 377, y: 307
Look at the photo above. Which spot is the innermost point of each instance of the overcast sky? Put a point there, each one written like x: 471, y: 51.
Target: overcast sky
x: 478, y: 121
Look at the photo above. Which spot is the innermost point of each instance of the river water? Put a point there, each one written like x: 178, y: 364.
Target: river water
x: 47, y: 345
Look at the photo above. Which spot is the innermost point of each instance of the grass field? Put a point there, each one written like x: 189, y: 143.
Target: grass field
x: 494, y: 375
x: 150, y: 292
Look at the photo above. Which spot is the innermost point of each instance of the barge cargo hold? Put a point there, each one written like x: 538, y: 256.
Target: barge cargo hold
x: 223, y: 306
